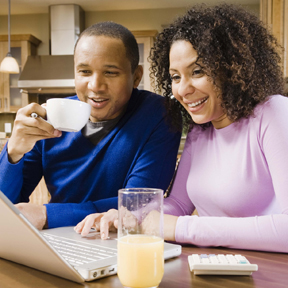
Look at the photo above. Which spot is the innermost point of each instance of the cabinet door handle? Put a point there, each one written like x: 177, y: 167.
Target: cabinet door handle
x: 5, y: 103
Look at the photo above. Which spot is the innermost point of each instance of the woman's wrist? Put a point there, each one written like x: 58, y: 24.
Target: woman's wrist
x: 170, y: 222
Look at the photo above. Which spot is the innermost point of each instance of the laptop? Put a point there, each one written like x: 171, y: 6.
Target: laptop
x: 60, y: 251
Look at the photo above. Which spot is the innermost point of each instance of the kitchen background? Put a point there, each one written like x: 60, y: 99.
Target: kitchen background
x: 39, y: 43
x: 31, y: 35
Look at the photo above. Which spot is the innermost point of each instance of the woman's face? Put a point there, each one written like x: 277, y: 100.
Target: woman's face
x: 193, y: 88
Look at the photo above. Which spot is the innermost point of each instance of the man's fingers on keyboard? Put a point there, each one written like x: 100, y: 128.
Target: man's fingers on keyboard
x: 79, y: 226
x: 107, y: 222
x: 104, y: 227
x: 90, y: 221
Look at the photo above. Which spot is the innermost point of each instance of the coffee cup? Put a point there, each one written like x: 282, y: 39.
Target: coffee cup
x: 66, y: 114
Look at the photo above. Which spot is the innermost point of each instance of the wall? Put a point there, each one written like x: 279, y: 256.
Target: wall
x: 136, y: 19
x: 149, y: 19
x: 6, y: 118
x: 35, y: 24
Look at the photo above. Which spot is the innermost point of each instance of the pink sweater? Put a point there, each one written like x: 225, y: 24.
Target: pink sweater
x: 237, y: 179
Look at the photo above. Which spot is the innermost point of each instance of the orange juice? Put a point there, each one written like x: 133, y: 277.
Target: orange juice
x: 140, y: 261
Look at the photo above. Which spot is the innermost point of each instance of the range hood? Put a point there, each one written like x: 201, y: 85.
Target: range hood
x: 54, y: 73
x: 48, y: 74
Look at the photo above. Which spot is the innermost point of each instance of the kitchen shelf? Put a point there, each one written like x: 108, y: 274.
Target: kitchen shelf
x: 11, y: 99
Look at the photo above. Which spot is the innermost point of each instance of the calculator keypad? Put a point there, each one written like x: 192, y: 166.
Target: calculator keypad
x: 220, y: 264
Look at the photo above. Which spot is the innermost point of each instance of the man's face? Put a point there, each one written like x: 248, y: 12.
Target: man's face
x: 103, y: 76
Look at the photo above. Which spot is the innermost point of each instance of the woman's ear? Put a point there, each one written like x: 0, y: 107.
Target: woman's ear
x: 138, y: 73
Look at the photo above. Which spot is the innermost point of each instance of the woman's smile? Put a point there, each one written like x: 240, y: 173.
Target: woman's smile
x: 193, y: 88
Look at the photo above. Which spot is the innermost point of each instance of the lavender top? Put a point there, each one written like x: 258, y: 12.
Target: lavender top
x: 237, y: 179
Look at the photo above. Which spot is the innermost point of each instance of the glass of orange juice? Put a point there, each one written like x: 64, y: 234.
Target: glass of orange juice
x: 140, y: 237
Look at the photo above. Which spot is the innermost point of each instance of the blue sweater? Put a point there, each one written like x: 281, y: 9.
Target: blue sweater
x: 83, y: 178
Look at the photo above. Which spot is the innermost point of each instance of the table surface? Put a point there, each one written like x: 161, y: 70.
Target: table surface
x: 272, y: 272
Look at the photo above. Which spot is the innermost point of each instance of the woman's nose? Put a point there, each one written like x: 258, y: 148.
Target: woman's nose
x: 185, y: 87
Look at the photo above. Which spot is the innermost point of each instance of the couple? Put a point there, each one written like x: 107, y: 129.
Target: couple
x: 219, y: 63
x: 217, y: 67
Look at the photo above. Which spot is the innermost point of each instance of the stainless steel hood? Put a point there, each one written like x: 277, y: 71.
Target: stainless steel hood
x: 55, y: 73
x: 48, y: 74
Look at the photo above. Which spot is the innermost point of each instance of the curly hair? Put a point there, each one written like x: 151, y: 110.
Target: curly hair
x: 236, y: 51
x: 285, y: 86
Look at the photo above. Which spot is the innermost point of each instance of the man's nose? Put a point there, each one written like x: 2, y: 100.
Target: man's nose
x: 96, y: 83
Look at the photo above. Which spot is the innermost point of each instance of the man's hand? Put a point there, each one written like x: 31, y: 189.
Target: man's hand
x: 27, y: 131
x: 108, y: 221
x: 35, y: 213
x: 103, y: 222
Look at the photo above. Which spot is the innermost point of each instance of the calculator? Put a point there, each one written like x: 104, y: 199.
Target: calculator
x: 220, y: 264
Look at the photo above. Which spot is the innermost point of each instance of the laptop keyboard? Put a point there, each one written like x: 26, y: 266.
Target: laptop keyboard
x: 76, y: 252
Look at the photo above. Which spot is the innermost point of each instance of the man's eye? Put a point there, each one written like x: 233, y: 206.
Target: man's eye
x: 111, y: 73
x: 84, y: 71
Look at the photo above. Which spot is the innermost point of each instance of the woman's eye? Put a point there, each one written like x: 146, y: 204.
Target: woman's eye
x: 198, y: 72
x: 175, y: 77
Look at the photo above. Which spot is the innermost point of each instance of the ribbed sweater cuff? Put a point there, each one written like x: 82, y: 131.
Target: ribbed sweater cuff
x: 182, y: 230
x: 67, y: 214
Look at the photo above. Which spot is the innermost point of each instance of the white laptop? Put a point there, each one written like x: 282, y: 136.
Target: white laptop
x: 60, y: 251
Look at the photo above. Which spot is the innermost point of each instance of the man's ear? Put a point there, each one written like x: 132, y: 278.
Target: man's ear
x: 138, y: 73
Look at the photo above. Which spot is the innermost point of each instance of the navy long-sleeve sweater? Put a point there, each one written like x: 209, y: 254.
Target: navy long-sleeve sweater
x: 83, y: 178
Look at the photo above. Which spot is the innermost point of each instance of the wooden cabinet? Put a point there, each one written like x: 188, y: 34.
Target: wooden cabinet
x: 40, y: 195
x: 274, y: 16
x: 145, y: 40
x: 11, y: 99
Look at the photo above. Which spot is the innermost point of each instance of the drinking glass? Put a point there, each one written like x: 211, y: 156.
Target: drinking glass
x: 140, y: 237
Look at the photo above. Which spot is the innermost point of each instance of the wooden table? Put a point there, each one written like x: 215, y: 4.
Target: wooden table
x: 272, y: 272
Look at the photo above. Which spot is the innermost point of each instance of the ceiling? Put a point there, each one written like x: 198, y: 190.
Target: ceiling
x: 41, y: 6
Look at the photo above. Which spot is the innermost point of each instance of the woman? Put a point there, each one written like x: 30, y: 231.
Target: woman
x: 221, y: 66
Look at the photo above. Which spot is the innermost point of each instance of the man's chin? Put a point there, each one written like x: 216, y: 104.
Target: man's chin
x: 96, y: 119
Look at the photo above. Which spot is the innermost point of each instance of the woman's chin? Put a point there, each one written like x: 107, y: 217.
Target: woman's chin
x: 199, y: 120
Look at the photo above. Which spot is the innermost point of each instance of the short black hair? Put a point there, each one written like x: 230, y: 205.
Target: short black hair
x: 115, y: 30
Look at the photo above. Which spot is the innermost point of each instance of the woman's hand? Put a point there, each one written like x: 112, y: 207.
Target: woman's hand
x: 150, y: 225
x: 103, y: 222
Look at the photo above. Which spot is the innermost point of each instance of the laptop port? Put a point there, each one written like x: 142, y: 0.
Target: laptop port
x: 102, y: 272
x: 94, y: 274
x: 111, y: 270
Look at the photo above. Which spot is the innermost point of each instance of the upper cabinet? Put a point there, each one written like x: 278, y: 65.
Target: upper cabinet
x: 145, y: 40
x: 274, y: 15
x: 11, y: 98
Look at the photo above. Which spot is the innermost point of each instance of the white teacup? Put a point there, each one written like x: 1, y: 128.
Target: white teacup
x: 67, y: 114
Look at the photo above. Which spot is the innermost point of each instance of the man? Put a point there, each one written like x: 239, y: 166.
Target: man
x: 126, y: 143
